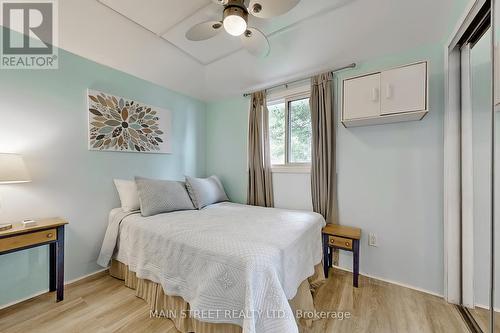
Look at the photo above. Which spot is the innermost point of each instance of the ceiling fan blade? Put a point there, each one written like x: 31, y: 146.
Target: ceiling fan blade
x: 220, y: 2
x: 203, y: 31
x: 270, y: 8
x: 255, y: 42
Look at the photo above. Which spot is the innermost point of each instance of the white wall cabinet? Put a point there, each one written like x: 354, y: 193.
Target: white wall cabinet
x: 362, y: 97
x: 394, y: 95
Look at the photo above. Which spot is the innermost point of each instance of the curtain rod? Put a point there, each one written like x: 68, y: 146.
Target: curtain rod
x: 353, y: 65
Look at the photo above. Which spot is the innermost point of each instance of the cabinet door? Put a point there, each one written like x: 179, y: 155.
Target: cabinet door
x: 404, y: 89
x: 362, y: 97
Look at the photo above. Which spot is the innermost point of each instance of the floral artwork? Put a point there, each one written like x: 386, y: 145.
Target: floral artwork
x: 119, y: 124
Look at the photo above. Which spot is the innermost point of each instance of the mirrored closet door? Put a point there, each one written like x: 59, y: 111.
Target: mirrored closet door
x: 477, y: 177
x: 476, y: 123
x: 495, y: 259
x: 470, y: 160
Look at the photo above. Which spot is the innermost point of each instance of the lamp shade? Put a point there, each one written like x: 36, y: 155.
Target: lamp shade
x: 13, y: 169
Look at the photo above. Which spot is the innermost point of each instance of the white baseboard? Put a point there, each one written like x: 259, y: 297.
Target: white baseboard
x: 393, y: 282
x: 85, y: 276
x: 486, y: 307
x: 337, y: 267
x: 24, y: 299
x: 38, y: 293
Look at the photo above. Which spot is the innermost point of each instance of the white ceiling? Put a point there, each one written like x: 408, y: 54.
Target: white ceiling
x: 146, y: 38
x: 159, y: 17
x: 156, y: 15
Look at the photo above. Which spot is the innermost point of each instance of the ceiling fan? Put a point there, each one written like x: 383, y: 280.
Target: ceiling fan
x: 235, y: 22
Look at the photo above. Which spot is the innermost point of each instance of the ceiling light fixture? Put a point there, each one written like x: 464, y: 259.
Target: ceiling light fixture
x: 235, y: 20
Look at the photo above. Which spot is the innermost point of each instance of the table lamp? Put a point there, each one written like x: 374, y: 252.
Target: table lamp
x: 12, y: 171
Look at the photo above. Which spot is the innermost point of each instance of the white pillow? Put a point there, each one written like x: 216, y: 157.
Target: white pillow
x: 162, y: 196
x: 205, y: 191
x: 129, y: 197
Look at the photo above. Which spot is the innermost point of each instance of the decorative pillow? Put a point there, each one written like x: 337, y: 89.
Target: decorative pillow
x: 129, y: 198
x: 162, y: 196
x: 205, y: 191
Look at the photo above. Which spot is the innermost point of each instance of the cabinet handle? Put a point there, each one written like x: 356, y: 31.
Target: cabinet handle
x: 388, y: 92
x: 49, y: 235
x: 375, y: 93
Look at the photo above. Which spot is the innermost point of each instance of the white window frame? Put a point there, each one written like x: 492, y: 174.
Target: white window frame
x: 287, y: 98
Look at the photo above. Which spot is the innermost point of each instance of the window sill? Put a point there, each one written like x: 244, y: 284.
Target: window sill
x: 291, y: 169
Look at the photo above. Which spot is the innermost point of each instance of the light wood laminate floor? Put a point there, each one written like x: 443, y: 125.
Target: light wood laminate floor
x: 103, y: 304
x: 482, y: 317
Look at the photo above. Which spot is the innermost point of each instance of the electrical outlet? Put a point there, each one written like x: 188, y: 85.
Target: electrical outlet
x: 372, y: 240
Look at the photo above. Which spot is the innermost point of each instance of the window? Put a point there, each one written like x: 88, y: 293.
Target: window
x: 290, y: 131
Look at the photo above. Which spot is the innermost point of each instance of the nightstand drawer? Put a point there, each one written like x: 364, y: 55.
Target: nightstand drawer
x: 16, y: 242
x: 344, y: 243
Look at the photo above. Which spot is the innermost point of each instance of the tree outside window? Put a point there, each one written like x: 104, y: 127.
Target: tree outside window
x: 290, y: 131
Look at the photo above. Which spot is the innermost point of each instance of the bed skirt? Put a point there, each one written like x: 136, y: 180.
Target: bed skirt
x: 168, y: 306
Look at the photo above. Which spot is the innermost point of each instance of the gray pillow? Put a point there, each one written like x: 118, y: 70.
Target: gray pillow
x: 205, y: 191
x: 162, y: 196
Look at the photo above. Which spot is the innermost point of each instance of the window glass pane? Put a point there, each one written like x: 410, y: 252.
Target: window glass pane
x: 300, y: 131
x: 277, y: 132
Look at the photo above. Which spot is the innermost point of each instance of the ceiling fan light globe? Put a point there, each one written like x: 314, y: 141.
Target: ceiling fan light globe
x: 235, y: 25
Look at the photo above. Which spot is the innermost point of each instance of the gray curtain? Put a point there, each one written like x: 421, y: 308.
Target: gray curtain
x: 323, y: 163
x: 260, y: 184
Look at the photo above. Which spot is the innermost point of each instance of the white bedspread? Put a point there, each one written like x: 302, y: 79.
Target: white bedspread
x: 232, y: 263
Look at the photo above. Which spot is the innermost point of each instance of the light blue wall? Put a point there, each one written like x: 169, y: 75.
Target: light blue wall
x: 43, y: 115
x: 226, y: 145
x: 390, y: 177
x: 391, y: 184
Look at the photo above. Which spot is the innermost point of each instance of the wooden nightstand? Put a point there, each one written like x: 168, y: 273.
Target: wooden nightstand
x: 45, y: 232
x: 344, y: 238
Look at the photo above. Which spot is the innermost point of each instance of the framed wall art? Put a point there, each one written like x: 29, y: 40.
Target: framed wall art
x: 126, y: 125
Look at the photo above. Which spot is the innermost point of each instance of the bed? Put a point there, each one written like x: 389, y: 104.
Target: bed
x: 225, y: 268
